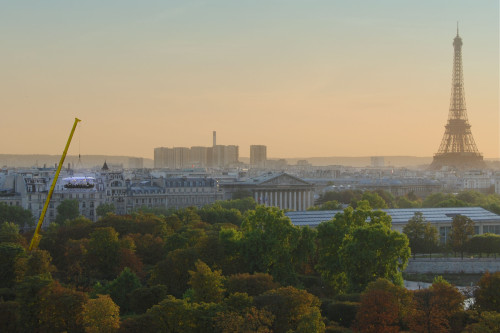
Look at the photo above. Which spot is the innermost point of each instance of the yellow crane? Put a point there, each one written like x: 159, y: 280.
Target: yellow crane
x: 36, y: 238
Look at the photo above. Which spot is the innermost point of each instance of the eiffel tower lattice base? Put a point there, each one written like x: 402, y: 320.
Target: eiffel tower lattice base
x: 461, y: 161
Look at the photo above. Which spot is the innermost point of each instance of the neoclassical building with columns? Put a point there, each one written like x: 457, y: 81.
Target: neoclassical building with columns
x: 276, y: 190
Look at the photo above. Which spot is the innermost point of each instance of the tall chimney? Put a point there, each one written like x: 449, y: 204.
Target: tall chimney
x: 215, y: 138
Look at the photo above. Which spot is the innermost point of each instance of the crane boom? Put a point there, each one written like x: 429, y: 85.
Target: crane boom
x: 35, y: 239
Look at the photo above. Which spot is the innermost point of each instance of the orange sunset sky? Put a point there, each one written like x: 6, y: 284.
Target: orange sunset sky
x: 305, y: 78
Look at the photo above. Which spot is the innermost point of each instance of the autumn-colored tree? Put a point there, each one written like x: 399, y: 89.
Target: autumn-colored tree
x: 173, y: 315
x: 60, y: 309
x: 173, y: 271
x: 128, y: 259
x: 141, y: 299
x: 462, y: 228
x: 251, y: 320
x: 101, y: 315
x: 292, y: 308
x: 37, y: 262
x: 485, y: 322
x: 488, y: 293
x: 139, y: 324
x: 74, y: 268
x: 208, y: 285
x: 251, y: 284
x: 149, y: 248
x: 9, y: 316
x: 384, y: 307
x: 435, y: 306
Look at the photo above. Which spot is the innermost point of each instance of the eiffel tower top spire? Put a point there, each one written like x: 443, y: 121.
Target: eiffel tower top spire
x: 458, y: 148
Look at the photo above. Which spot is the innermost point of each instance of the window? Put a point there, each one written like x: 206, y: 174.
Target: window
x: 492, y: 229
x: 444, y: 233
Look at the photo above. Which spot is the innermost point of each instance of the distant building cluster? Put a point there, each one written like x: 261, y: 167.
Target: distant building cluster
x: 182, y: 157
x: 126, y: 190
x: 217, y: 156
x: 258, y: 156
x: 269, y: 182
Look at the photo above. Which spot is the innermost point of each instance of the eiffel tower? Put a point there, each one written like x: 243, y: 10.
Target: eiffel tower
x: 458, y: 149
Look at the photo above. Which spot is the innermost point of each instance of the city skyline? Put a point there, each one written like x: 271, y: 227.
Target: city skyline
x: 329, y: 78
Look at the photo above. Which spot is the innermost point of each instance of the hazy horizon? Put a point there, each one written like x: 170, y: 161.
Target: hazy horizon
x: 318, y: 79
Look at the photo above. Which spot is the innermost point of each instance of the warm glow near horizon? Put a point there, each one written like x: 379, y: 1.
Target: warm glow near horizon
x: 305, y: 78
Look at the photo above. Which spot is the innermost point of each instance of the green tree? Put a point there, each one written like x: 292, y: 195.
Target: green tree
x: 268, y: 242
x: 173, y: 271
x: 9, y: 233
x: 101, y: 315
x: 174, y: 315
x: 485, y: 243
x: 9, y: 253
x: 375, y: 200
x: 371, y: 252
x: 217, y: 214
x: 251, y: 284
x: 142, y: 299
x: 16, y: 214
x: 423, y: 237
x: 328, y: 205
x: 404, y: 202
x: 345, y: 197
x: 462, y: 228
x: 357, y: 247
x: 120, y: 288
x: 103, y: 254
x: 208, y: 285
x: 242, y: 204
x: 105, y: 208
x: 67, y: 210
x: 434, y: 199
x: 431, y: 239
x: 28, y: 296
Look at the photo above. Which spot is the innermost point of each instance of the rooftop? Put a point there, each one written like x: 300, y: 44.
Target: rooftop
x: 400, y: 216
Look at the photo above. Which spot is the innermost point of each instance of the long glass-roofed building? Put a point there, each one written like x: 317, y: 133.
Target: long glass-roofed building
x: 484, y: 220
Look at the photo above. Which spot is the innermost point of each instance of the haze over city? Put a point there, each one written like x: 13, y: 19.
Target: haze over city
x: 322, y: 78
